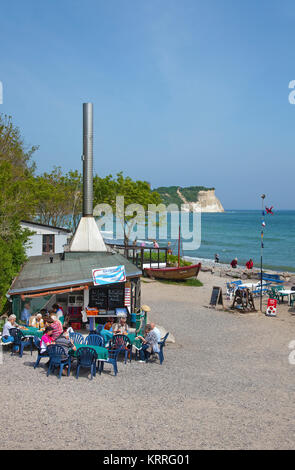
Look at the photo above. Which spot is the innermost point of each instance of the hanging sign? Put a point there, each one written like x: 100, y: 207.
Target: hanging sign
x: 109, y: 275
x: 271, y: 310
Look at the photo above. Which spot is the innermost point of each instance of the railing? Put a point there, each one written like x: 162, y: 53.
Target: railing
x: 142, y: 255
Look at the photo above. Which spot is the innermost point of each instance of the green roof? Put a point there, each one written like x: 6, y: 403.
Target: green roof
x: 39, y: 274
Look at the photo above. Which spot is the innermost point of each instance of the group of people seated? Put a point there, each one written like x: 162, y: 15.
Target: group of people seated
x: 55, y: 333
x: 37, y: 320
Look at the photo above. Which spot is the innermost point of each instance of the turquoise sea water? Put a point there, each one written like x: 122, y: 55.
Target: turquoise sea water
x: 237, y: 234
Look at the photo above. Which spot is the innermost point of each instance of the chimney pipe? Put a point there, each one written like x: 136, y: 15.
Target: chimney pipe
x: 87, y: 159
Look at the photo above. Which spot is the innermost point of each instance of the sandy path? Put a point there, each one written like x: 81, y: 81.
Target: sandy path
x: 226, y: 383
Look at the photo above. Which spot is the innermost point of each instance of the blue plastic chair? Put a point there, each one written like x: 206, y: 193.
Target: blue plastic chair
x: 162, y: 344
x: 37, y: 343
x: 19, y: 342
x: 77, y: 338
x: 112, y: 359
x: 86, y: 357
x: 56, y: 354
x: 94, y: 340
x: 122, y: 343
x: 99, y: 328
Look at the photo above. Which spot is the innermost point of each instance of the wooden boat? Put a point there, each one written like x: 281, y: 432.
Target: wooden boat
x: 174, y: 274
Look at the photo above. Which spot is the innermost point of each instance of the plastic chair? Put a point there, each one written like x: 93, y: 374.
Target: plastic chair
x: 122, y: 343
x: 77, y: 338
x: 112, y: 359
x: 37, y: 343
x: 94, y: 340
x: 86, y: 357
x: 20, y: 342
x: 56, y: 354
x: 98, y: 329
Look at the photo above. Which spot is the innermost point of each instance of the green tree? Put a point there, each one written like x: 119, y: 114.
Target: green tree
x: 59, y: 198
x: 16, y: 201
x: 105, y: 191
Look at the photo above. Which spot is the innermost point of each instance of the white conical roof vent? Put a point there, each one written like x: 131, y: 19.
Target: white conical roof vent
x: 87, y: 236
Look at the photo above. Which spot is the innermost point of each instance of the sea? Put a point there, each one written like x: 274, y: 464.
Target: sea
x: 237, y: 234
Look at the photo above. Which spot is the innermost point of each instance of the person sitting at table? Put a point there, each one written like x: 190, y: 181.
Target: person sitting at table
x: 109, y: 324
x: 65, y: 342
x: 58, y: 311
x: 56, y: 325
x: 38, y: 322
x: 46, y: 339
x: 157, y: 331
x: 149, y: 341
x: 121, y: 328
x: 44, y: 312
x: 10, y: 323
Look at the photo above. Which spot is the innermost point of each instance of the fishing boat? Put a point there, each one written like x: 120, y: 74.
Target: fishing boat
x: 174, y: 273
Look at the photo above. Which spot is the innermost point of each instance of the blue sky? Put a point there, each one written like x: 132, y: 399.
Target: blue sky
x: 185, y: 92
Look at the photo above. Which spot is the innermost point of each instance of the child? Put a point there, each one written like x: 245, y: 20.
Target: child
x: 46, y: 339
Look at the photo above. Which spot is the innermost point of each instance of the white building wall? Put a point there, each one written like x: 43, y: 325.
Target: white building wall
x: 34, y: 245
x: 60, y: 241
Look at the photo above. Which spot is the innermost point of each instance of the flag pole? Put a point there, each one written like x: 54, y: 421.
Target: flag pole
x: 261, y: 249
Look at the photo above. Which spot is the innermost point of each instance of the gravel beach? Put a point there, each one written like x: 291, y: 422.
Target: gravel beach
x: 226, y: 383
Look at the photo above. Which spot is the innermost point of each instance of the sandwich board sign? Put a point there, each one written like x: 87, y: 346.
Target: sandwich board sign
x: 102, y: 276
x: 216, y: 297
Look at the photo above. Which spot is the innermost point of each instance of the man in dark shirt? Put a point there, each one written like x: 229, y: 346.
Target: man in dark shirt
x: 65, y: 342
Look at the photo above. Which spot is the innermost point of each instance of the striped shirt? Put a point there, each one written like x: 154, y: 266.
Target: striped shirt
x: 57, y: 329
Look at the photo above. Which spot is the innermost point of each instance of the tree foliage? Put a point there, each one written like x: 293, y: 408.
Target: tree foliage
x: 107, y: 189
x: 58, y: 198
x: 16, y: 201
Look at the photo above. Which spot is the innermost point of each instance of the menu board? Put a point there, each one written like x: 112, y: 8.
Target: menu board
x: 106, y: 297
x: 116, y: 298
x: 98, y: 298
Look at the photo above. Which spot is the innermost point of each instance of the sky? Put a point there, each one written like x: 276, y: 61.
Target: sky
x: 191, y: 92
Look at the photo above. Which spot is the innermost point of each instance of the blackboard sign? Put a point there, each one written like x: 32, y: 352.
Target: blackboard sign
x: 106, y: 298
x: 116, y: 298
x: 216, y: 296
x: 98, y: 298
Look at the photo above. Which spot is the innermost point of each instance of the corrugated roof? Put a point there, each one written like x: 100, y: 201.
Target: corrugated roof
x: 39, y: 274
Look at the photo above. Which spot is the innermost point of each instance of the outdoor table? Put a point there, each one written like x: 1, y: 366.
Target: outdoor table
x: 287, y: 292
x: 102, y: 353
x: 31, y: 331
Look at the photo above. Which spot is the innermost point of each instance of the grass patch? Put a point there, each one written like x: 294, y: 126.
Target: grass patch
x: 185, y: 282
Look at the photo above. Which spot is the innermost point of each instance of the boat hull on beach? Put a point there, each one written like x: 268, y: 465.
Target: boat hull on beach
x: 174, y: 274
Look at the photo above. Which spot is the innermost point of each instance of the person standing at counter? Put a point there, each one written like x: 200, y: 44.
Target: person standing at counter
x: 25, y: 314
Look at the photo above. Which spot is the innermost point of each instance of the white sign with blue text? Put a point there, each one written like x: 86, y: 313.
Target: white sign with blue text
x: 109, y: 275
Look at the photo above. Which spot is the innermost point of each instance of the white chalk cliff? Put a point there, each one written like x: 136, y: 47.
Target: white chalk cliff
x: 206, y: 201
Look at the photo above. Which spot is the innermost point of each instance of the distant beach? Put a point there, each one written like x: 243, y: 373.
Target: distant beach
x: 236, y: 233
